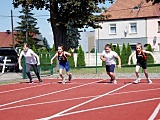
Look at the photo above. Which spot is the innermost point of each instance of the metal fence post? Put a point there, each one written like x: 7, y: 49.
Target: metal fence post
x: 24, y: 68
x: 96, y: 63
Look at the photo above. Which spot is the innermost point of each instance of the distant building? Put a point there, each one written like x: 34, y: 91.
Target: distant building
x: 131, y: 21
x: 87, y: 40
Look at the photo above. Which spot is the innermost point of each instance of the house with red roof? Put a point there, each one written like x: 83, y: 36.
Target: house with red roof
x: 8, y: 40
x: 130, y: 21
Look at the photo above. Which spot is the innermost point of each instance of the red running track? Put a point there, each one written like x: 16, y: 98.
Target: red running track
x: 81, y: 99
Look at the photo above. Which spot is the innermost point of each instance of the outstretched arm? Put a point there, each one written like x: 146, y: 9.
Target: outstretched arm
x: 69, y: 54
x: 54, y: 58
x: 129, y: 60
x: 119, y: 61
x: 148, y: 52
x: 19, y: 61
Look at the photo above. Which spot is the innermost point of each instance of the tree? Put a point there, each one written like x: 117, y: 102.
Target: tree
x: 71, y: 60
x: 27, y: 30
x: 46, y: 45
x: 129, y: 52
x: 80, y: 57
x: 112, y: 48
x: 150, y: 59
x: 117, y: 50
x: 72, y: 37
x: 63, y: 12
x: 124, y: 55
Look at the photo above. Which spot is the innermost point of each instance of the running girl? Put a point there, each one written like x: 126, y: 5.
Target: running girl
x: 31, y: 57
x: 109, y: 56
x: 141, y: 62
x: 63, y: 62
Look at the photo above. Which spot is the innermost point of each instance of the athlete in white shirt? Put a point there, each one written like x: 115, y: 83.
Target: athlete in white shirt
x: 109, y: 57
x: 30, y: 56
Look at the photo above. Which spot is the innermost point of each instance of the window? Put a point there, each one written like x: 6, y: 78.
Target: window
x: 133, y: 28
x: 158, y: 26
x: 112, y: 29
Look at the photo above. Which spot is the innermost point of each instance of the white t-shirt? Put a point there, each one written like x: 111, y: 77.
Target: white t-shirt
x: 30, y: 58
x: 110, y: 57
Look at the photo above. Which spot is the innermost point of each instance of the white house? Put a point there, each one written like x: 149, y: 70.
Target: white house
x: 131, y: 21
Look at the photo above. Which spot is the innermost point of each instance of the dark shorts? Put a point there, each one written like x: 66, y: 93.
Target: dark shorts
x: 110, y: 68
x: 64, y: 65
x: 142, y: 64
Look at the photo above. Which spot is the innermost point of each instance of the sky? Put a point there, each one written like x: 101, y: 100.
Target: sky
x: 41, y: 16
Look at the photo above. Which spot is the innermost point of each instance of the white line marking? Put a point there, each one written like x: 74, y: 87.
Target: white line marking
x: 56, y: 101
x: 23, y: 88
x: 48, y: 94
x: 154, y: 114
x: 109, y: 106
x: 83, y: 103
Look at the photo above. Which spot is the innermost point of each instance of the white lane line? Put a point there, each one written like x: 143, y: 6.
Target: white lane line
x: 17, y: 101
x: 86, y: 97
x: 23, y: 88
x: 109, y: 106
x: 71, y: 108
x: 154, y: 114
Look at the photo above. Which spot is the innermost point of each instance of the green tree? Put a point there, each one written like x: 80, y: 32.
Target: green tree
x: 117, y: 50
x: 26, y: 29
x: 71, y: 60
x: 53, y: 52
x: 129, y: 52
x: 150, y: 59
x: 112, y: 48
x: 72, y: 37
x: 124, y: 59
x: 34, y: 49
x: 46, y: 45
x: 63, y: 12
x: 80, y: 57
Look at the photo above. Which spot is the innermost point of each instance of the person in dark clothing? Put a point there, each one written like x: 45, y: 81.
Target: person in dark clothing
x: 141, y: 62
x: 63, y: 62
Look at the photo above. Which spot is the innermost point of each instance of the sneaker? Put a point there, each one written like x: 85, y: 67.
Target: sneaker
x: 31, y: 82
x: 149, y: 81
x: 136, y: 81
x: 70, y: 77
x: 63, y: 81
x: 111, y: 81
x: 114, y: 81
x: 40, y: 81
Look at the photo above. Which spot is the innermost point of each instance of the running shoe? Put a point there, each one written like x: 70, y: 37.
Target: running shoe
x: 70, y: 77
x: 149, y: 81
x: 31, y: 82
x: 114, y: 81
x: 137, y: 81
x: 63, y: 81
x: 40, y: 81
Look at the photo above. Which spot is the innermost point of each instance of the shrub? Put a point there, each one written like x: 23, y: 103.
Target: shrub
x: 129, y: 52
x: 80, y: 57
x: 117, y: 50
x: 124, y: 59
x: 71, y: 60
x: 149, y: 57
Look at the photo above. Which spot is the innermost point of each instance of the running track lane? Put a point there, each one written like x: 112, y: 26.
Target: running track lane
x: 90, y: 92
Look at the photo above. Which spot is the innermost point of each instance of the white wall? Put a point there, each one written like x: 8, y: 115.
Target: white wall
x: 152, y: 30
x: 120, y: 27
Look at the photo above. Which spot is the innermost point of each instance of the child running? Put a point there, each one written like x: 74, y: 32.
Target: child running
x: 109, y: 56
x: 31, y: 58
x: 63, y: 62
x: 141, y: 62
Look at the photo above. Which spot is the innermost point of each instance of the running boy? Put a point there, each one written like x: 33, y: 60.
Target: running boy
x: 109, y: 56
x: 141, y: 62
x: 63, y: 62
x: 31, y: 57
